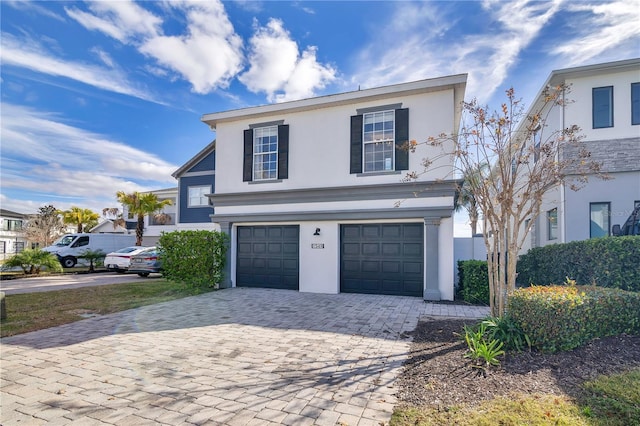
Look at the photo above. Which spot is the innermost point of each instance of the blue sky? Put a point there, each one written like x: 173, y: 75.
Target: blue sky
x: 106, y: 96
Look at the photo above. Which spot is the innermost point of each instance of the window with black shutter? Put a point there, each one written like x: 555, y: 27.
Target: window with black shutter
x: 378, y: 140
x: 266, y: 153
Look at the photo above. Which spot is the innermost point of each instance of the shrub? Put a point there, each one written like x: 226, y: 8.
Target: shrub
x: 560, y: 318
x: 194, y: 258
x: 609, y: 262
x: 33, y: 260
x: 474, y: 281
x: 507, y: 331
x: 483, y: 349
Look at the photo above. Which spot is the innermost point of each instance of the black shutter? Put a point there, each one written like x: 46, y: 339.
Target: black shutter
x: 402, y: 137
x: 283, y: 151
x: 247, y: 168
x: 356, y: 144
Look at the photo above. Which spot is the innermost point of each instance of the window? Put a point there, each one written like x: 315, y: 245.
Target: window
x: 12, y: 225
x: 602, y: 107
x: 599, y: 219
x: 19, y: 246
x: 378, y: 137
x: 198, y: 196
x: 81, y: 242
x: 3, y: 247
x: 536, y: 145
x: 635, y: 103
x: 552, y: 224
x: 265, y: 153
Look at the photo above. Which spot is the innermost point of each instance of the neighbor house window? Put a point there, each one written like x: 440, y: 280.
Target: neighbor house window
x: 599, y: 219
x: 265, y: 153
x: 378, y: 138
x: 635, y: 103
x: 198, y: 196
x: 602, y: 107
x: 19, y: 247
x: 552, y: 224
x: 3, y: 246
x: 12, y: 225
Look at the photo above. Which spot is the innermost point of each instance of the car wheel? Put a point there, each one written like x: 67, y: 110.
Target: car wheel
x: 143, y: 274
x: 68, y: 262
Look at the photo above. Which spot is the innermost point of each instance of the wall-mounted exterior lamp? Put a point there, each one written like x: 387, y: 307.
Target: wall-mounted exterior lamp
x: 317, y: 231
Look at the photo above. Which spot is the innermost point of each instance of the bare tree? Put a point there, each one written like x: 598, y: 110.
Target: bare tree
x: 45, y: 226
x: 526, y: 160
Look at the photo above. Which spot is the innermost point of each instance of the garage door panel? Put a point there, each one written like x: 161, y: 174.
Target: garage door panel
x: 391, y: 249
x: 382, y: 259
x: 267, y: 256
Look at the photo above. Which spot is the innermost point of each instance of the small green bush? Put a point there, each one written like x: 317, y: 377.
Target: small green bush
x: 558, y: 318
x: 32, y: 261
x: 474, y: 281
x: 194, y: 258
x: 612, y: 262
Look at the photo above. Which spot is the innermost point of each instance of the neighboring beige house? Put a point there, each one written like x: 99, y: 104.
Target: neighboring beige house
x: 606, y: 106
x: 12, y: 236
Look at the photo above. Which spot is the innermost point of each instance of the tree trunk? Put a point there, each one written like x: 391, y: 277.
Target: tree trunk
x: 139, y: 230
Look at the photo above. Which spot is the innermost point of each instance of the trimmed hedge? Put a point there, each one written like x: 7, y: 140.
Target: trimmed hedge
x: 473, y: 279
x: 558, y: 318
x: 606, y: 262
x: 194, y: 258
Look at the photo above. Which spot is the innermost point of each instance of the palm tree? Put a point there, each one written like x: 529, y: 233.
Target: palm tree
x: 466, y: 198
x: 82, y: 218
x: 139, y: 205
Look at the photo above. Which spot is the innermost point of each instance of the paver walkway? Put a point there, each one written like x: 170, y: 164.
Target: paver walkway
x: 233, y: 357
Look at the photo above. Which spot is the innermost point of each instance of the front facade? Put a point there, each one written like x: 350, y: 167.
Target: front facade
x: 13, y: 238
x: 314, y: 196
x: 606, y: 106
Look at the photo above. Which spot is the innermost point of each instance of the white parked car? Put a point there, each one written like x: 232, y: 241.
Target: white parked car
x: 120, y: 260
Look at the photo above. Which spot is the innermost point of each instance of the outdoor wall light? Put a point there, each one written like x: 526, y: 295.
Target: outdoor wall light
x: 317, y: 231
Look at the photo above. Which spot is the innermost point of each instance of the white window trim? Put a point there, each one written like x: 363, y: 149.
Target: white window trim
x: 257, y: 155
x: 207, y: 190
x: 365, y: 143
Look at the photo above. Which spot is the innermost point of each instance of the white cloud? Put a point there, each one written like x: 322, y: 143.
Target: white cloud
x: 277, y: 68
x: 419, y: 43
x: 608, y: 26
x: 32, y: 6
x: 42, y: 155
x: 30, y: 55
x: 122, y: 20
x: 209, y: 55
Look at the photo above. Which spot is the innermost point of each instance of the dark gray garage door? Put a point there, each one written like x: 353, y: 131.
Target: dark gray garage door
x: 382, y: 258
x: 268, y: 257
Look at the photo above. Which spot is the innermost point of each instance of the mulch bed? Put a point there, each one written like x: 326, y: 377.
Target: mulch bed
x: 437, y: 375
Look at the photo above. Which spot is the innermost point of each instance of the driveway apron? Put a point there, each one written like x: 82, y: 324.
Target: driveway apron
x: 234, y: 357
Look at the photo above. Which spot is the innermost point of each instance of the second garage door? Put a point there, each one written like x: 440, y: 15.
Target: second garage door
x: 384, y: 258
x: 268, y: 257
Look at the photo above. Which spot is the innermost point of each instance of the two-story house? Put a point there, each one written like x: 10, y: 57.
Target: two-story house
x: 12, y: 234
x: 313, y: 197
x: 605, y: 104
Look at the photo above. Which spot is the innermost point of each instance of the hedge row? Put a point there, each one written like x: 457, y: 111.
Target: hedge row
x: 606, y: 262
x: 558, y: 318
x: 473, y: 281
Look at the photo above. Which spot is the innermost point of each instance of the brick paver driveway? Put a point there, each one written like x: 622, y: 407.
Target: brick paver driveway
x: 233, y: 357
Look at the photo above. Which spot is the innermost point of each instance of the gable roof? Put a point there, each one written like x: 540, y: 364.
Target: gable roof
x: 9, y: 213
x: 195, y: 160
x: 456, y: 82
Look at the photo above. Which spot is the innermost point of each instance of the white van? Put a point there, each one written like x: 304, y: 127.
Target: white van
x: 70, y: 246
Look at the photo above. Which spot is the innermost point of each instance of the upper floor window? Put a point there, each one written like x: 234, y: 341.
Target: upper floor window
x: 265, y: 153
x: 599, y: 219
x: 379, y: 141
x: 602, y: 107
x: 12, y: 225
x: 552, y: 224
x: 635, y: 103
x: 198, y: 196
x: 378, y: 136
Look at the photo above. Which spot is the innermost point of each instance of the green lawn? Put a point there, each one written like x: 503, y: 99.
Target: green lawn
x: 36, y: 311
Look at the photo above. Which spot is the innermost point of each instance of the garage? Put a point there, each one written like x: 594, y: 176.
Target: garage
x: 383, y: 258
x: 268, y: 257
